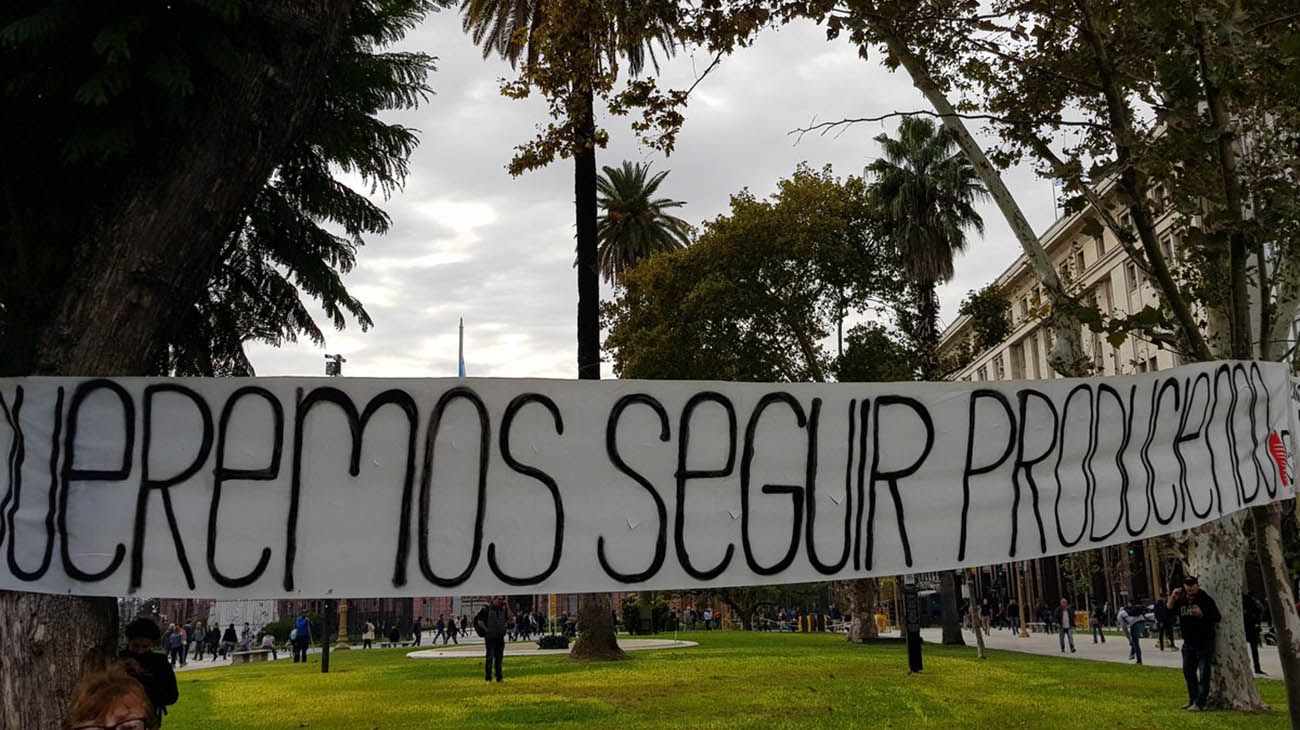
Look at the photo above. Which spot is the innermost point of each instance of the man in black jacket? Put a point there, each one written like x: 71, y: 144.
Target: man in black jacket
x: 1198, y: 616
x: 1252, y: 613
x: 148, y: 667
x: 492, y: 622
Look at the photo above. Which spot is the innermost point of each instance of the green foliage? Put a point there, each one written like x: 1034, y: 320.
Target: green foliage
x: 926, y: 190
x: 634, y: 224
x: 990, y: 313
x: 278, y: 629
x: 569, y: 51
x: 94, y: 92
x: 753, y: 297
x: 873, y: 354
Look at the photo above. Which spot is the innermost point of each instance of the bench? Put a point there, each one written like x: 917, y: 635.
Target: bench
x: 390, y: 644
x: 253, y: 655
x: 1037, y: 627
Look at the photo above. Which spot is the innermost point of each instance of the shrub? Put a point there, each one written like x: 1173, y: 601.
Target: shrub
x: 278, y: 629
x: 553, y: 641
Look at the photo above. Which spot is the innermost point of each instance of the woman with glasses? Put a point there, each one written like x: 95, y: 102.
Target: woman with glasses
x: 111, y: 700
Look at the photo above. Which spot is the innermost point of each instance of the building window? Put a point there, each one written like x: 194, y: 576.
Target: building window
x: 982, y: 374
x: 1151, y: 364
x: 1078, y: 260
x: 999, y: 370
x: 1098, y: 357
x: 1018, y: 361
x: 1131, y: 276
x: 1101, y: 246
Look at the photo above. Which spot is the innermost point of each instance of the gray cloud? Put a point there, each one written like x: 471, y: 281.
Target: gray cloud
x: 468, y: 240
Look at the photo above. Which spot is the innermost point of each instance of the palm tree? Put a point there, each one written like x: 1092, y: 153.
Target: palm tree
x: 925, y: 191
x: 524, y: 30
x: 635, y: 225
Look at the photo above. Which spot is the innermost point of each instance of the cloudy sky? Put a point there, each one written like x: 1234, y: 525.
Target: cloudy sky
x: 470, y: 241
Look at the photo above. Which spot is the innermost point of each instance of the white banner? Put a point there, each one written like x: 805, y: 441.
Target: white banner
x: 242, y: 488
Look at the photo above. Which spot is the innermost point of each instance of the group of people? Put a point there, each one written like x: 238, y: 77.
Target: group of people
x: 191, y: 640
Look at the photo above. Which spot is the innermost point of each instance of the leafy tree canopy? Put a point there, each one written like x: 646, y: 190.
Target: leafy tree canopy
x: 92, y: 91
x: 762, y: 286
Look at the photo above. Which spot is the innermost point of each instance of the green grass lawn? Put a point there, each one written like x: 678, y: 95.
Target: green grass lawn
x: 732, y: 679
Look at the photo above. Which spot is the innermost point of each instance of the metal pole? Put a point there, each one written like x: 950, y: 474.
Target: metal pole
x: 325, y: 638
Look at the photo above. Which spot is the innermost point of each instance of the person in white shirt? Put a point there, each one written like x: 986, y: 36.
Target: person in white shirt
x: 1134, y: 622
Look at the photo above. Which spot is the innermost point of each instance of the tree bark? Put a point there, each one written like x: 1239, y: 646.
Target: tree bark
x: 597, y: 639
x: 1067, y: 355
x: 154, y: 250
x: 862, y: 607
x: 1267, y: 523
x: 1216, y: 553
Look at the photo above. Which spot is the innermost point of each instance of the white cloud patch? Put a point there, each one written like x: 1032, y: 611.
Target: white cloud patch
x: 468, y: 240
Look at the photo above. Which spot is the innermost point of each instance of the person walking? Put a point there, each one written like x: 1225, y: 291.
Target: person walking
x: 1133, y: 621
x: 1013, y: 616
x: 301, y: 637
x: 1094, y: 622
x: 1066, y: 628
x: 187, y: 633
x: 1164, y: 623
x: 464, y: 625
x: 1198, y: 616
x: 197, y: 641
x: 450, y: 633
x: 440, y: 630
x: 492, y: 622
x: 1252, y: 613
x: 368, y: 636
x: 213, y: 640
x: 149, y: 668
x: 228, y: 641
x: 417, y: 631
x: 175, y: 642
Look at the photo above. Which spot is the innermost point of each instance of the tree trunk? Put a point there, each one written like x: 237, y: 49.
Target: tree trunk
x: 596, y: 638
x: 154, y: 251
x: 951, y: 611
x: 1216, y: 553
x: 862, y: 606
x: 927, y: 325
x: 1067, y: 356
x: 1267, y: 523
x: 51, y: 641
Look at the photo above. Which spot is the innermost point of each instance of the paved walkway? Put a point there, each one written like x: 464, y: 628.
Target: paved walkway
x: 529, y: 648
x: 1114, y: 650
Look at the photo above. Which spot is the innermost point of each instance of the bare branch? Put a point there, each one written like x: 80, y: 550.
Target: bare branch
x: 823, y: 128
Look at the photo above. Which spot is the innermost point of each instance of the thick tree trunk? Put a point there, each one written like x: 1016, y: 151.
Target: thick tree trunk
x: 973, y: 613
x: 1216, y: 553
x: 49, y: 643
x: 1267, y: 523
x: 596, y: 639
x: 862, y: 606
x: 153, y: 252
x: 950, y: 610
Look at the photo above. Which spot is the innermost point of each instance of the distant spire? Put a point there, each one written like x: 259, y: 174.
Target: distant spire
x: 460, y: 351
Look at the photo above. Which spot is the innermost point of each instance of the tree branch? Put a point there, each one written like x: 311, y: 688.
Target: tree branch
x: 823, y: 127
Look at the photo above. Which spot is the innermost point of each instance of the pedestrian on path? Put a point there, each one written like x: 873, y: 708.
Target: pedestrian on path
x: 1133, y: 622
x: 368, y: 637
x: 301, y: 637
x: 1198, y: 615
x: 1252, y: 613
x: 1094, y: 622
x: 1066, y: 616
x: 1164, y: 623
x: 492, y: 622
x: 417, y: 630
